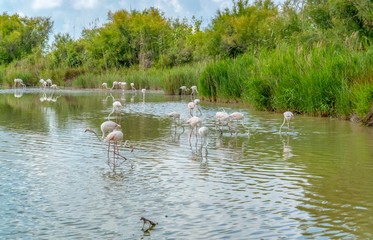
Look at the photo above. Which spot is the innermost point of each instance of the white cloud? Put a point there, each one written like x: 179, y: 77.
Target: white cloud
x: 79, y: 4
x: 45, y: 4
x: 175, y: 4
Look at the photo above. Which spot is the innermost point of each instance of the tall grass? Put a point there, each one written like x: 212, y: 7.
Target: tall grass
x: 317, y: 81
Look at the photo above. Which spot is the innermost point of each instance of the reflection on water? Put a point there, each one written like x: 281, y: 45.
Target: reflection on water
x: 314, y: 182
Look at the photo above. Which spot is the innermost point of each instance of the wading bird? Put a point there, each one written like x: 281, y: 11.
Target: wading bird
x: 203, y: 132
x: 43, y: 83
x: 194, y: 91
x: 175, y: 116
x: 133, y: 87
x: 237, y: 116
x: 104, y: 85
x: 18, y: 82
x: 195, y: 122
x: 196, y: 104
x: 191, y: 108
x: 107, y: 126
x: 116, y: 136
x: 116, y: 108
x: 49, y: 82
x: 222, y: 117
x: 287, y: 117
x: 122, y: 85
x: 184, y: 90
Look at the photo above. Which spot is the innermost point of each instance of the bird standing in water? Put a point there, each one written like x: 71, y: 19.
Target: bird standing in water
x: 191, y: 108
x: 222, y: 117
x: 287, y: 117
x: 195, y: 122
x: 204, y: 131
x: 237, y: 116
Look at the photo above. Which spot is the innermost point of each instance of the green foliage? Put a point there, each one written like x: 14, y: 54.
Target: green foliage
x: 363, y: 100
x: 19, y: 36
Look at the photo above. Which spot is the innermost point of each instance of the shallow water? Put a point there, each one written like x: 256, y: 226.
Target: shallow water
x: 313, y: 183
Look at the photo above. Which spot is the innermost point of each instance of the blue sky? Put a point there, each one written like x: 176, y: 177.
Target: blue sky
x: 71, y: 16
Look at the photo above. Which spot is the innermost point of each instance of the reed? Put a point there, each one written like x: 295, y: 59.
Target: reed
x: 317, y: 81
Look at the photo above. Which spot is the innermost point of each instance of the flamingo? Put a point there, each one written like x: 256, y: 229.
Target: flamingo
x: 43, y: 83
x: 54, y: 86
x: 175, y: 116
x: 204, y: 131
x: 194, y: 90
x: 49, y: 82
x: 195, y: 122
x: 18, y: 81
x: 184, y: 89
x: 237, y: 116
x: 222, y: 117
x: 133, y: 87
x: 117, y: 137
x: 106, y: 126
x: 191, y: 107
x: 196, y: 104
x: 122, y: 85
x: 104, y: 85
x: 287, y: 117
x: 116, y: 108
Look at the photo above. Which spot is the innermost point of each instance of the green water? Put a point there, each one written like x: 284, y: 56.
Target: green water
x: 313, y: 183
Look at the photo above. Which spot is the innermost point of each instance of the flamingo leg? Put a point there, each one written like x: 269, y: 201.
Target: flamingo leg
x: 190, y: 135
x: 236, y: 126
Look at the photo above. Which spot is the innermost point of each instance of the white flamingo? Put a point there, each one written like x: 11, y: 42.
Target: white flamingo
x: 194, y: 91
x: 222, y: 117
x: 122, y: 85
x: 43, y: 83
x: 184, y: 90
x: 237, y: 116
x: 287, y: 117
x: 104, y: 85
x: 196, y: 104
x: 107, y: 126
x: 19, y: 82
x: 49, y: 82
x: 203, y: 132
x: 116, y: 108
x: 133, y: 87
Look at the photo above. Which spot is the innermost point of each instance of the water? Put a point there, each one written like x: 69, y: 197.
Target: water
x: 313, y: 183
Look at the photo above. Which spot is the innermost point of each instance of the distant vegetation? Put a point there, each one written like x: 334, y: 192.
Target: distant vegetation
x: 308, y: 56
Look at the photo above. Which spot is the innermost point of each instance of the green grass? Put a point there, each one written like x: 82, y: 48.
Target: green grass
x: 318, y: 81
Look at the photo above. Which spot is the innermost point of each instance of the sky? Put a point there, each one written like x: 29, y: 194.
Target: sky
x: 72, y: 16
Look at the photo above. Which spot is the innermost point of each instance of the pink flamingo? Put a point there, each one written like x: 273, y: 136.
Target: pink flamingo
x: 195, y: 122
x: 191, y: 107
x: 287, y: 117
x: 222, y: 117
x: 117, y: 137
x: 237, y: 116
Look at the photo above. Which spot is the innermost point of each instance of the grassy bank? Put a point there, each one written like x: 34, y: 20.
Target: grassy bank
x: 324, y: 80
